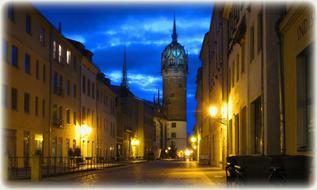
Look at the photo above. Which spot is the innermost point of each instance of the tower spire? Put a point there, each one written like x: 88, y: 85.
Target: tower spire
x: 124, y: 82
x: 174, y: 35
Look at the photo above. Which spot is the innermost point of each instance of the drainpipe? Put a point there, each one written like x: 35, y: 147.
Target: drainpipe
x: 281, y: 87
x: 262, y: 81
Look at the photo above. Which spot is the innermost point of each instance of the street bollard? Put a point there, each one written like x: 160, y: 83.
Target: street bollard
x: 36, y: 173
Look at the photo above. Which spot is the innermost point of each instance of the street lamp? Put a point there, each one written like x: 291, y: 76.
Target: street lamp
x: 134, y: 142
x: 83, y: 130
x: 193, y: 139
x: 213, y: 111
x: 223, y: 119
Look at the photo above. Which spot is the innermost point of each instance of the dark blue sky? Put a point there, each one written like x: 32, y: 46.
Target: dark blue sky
x: 145, y: 30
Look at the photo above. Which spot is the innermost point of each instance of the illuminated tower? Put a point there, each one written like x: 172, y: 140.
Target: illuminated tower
x: 174, y: 71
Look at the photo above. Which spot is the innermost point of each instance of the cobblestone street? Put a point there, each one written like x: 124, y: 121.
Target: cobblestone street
x: 154, y: 174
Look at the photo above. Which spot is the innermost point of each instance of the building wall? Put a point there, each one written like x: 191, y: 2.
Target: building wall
x: 25, y: 131
x: 180, y: 138
x: 106, y: 120
x: 88, y: 107
x: 297, y: 36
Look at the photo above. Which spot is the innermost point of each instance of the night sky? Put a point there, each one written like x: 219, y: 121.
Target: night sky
x: 145, y: 30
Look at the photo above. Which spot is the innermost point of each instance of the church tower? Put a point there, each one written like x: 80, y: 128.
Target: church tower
x: 174, y: 72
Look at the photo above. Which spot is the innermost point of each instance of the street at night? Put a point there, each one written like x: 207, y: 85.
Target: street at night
x: 154, y: 174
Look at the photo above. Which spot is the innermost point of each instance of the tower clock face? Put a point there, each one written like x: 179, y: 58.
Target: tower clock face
x: 176, y: 52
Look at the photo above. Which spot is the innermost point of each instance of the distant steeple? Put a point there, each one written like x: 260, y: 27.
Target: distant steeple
x: 174, y: 35
x: 124, y: 82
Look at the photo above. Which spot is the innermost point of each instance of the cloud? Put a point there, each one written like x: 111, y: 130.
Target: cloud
x: 104, y: 28
x: 77, y: 37
x: 144, y: 82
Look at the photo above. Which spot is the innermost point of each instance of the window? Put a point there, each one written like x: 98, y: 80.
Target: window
x: 68, y: 116
x: 26, y: 148
x: 27, y: 64
x: 54, y: 49
x: 36, y: 105
x: 59, y: 53
x: 84, y: 84
x: 5, y: 51
x: 173, y: 125
x: 83, y: 113
x: 11, y: 12
x: 43, y: 108
x: 14, y: 56
x: 242, y: 57
x: 238, y: 67
x: 93, y: 90
x: 256, y: 122
x: 44, y: 73
x: 37, y: 76
x: 251, y: 44
x: 5, y: 95
x: 173, y: 135
x: 88, y: 87
x: 74, y: 118
x: 42, y: 36
x: 68, y: 56
x: 28, y: 24
x: 230, y: 136
x: 55, y: 82
x: 243, y: 127
x: 68, y: 88
x: 74, y: 90
x: 305, y: 90
x: 260, y: 28
x: 60, y: 86
x: 26, y: 103
x: 236, y: 127
x: 60, y: 113
x: 14, y: 99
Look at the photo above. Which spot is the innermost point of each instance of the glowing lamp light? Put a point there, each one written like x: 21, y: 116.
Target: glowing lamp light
x: 193, y: 139
x: 84, y: 130
x: 194, y: 147
x: 187, y: 152
x: 212, y: 111
x: 135, y: 142
x: 169, y: 148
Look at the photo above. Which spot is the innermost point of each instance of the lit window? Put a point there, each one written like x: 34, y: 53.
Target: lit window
x: 42, y: 36
x: 59, y: 53
x: 54, y: 50
x: 68, y: 56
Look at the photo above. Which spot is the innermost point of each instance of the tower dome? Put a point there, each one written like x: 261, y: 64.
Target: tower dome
x: 174, y: 55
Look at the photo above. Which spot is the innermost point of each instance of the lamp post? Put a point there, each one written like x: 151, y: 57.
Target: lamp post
x: 135, y: 143
x: 83, y: 131
x: 223, y: 120
x: 193, y: 141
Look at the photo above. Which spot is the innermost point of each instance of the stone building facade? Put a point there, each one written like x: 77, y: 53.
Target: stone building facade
x: 256, y: 71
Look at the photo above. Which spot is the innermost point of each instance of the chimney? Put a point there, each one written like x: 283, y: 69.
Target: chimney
x: 59, y: 27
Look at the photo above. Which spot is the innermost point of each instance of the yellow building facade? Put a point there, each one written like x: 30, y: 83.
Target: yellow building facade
x: 26, y: 105
x: 297, y: 40
x: 50, y: 92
